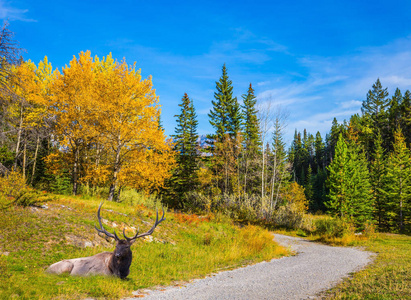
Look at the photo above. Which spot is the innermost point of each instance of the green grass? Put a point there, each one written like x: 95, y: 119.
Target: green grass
x: 184, y: 247
x: 388, y: 277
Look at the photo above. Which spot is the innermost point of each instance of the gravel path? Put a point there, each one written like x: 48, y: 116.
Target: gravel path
x: 314, y: 269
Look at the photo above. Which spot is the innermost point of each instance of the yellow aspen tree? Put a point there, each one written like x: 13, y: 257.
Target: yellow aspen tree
x: 127, y: 122
x: 25, y: 92
x: 72, y: 102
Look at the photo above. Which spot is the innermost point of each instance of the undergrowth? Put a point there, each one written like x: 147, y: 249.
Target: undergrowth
x: 181, y: 248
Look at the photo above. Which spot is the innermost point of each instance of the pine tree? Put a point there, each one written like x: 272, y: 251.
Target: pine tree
x: 185, y: 175
x: 377, y: 176
x: 337, y: 181
x: 280, y: 174
x: 398, y: 185
x: 394, y: 115
x: 349, y: 184
x: 405, y: 111
x: 319, y: 148
x: 375, y: 109
x: 252, y: 141
x: 359, y: 192
x: 225, y: 117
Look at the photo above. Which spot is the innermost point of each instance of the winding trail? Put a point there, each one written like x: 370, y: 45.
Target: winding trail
x: 314, y: 269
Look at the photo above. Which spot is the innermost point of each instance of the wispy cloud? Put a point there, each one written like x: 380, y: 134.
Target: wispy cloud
x: 336, y: 86
x: 7, y: 12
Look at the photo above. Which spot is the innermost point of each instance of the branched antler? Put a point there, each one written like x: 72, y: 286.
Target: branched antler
x: 102, y: 230
x: 148, y: 232
x: 137, y: 235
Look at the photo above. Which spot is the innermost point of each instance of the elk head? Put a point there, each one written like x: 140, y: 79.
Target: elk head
x: 122, y: 255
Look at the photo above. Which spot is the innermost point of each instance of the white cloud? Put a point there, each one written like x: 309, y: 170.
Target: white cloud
x: 10, y: 13
x: 337, y: 86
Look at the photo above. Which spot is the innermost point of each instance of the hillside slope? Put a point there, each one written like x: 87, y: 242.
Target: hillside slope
x: 181, y: 248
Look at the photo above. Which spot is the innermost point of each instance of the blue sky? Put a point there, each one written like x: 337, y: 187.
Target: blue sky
x: 315, y: 59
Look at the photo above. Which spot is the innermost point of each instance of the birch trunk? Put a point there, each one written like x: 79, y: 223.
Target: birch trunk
x: 35, y: 159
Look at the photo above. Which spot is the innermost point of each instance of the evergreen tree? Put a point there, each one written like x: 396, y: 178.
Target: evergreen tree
x: 338, y: 181
x: 398, y: 185
x: 375, y: 109
x: 279, y: 172
x: 359, y: 192
x: 377, y: 175
x: 319, y: 148
x: 394, y: 115
x: 251, y: 141
x: 225, y: 116
x: 405, y: 111
x: 349, y: 184
x: 377, y: 101
x: 185, y: 175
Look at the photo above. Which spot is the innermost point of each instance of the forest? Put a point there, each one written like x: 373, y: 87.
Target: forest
x: 94, y: 128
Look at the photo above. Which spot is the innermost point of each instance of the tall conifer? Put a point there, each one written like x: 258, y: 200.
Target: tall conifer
x: 185, y: 175
x: 251, y: 141
x: 398, y: 185
x: 377, y: 175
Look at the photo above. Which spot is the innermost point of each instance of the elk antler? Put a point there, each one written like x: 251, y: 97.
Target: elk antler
x: 148, y: 232
x: 102, y: 230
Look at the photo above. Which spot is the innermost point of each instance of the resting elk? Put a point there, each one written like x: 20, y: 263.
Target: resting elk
x: 115, y: 263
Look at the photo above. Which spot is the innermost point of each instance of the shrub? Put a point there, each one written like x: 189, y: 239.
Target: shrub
x: 292, y: 217
x: 329, y: 228
x: 13, y: 190
x: 134, y: 198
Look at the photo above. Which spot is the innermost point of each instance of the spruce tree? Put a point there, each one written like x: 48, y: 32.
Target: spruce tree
x: 225, y: 116
x: 337, y: 181
x: 251, y: 141
x: 398, y: 185
x: 394, y: 116
x: 405, y: 111
x: 279, y: 172
x: 319, y: 148
x: 185, y: 175
x: 377, y: 176
x: 359, y: 189
x: 349, y: 184
x: 375, y: 109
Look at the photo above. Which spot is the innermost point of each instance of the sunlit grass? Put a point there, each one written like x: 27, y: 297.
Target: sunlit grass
x: 388, y: 277
x: 183, y: 247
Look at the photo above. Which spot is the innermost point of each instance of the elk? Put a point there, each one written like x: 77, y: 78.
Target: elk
x: 115, y: 263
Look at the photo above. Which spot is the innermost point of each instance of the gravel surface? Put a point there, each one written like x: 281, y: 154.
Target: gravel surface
x: 314, y: 269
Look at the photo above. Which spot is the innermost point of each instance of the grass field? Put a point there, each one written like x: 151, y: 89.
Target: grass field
x: 388, y: 277
x: 181, y: 248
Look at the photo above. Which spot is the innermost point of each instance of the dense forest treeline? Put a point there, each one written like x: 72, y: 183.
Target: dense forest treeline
x: 94, y: 128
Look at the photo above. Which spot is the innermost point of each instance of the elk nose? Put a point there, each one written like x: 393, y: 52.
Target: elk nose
x: 117, y: 255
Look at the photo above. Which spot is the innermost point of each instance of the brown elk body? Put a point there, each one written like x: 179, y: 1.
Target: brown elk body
x: 115, y: 263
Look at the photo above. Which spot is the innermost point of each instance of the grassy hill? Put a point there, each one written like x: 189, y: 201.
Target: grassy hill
x: 182, y: 248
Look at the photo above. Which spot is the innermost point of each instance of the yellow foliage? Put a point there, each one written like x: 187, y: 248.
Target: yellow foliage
x: 294, y: 194
x: 11, y: 186
x: 108, y: 114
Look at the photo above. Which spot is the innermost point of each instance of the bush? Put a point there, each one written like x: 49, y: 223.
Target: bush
x: 291, y: 216
x: 134, y: 198
x: 329, y: 228
x: 14, y: 191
